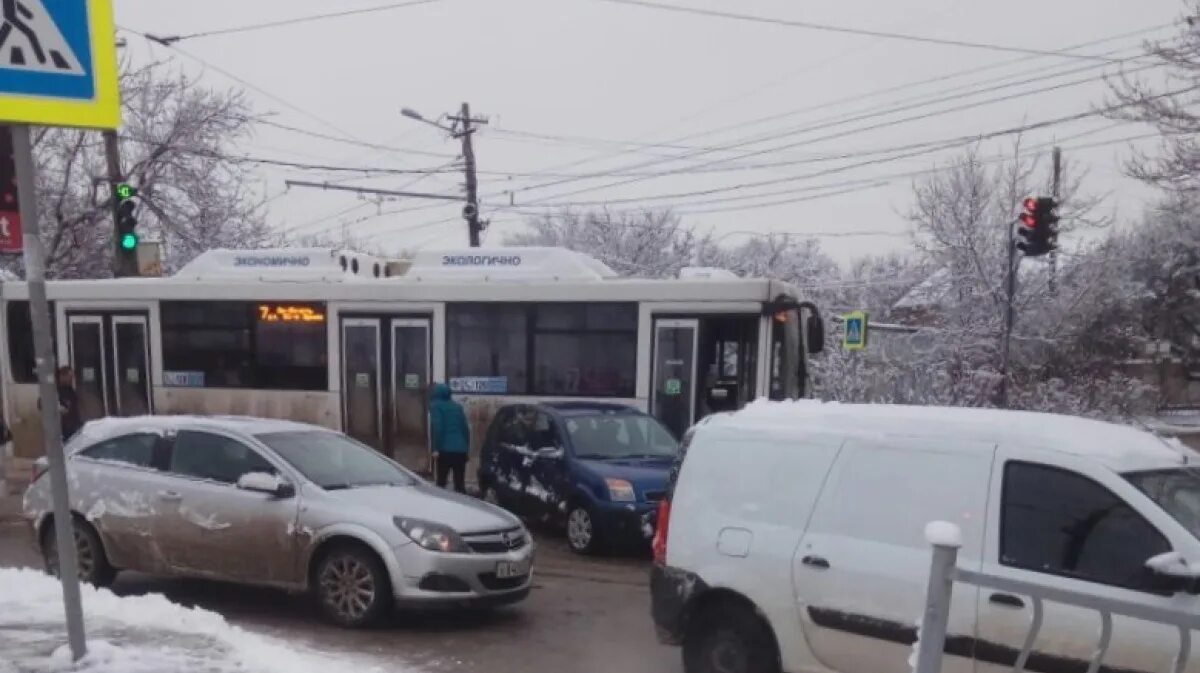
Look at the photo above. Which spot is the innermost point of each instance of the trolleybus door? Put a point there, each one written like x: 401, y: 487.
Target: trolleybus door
x: 411, y: 364
x: 88, y: 347
x: 362, y: 409
x: 673, y: 395
x: 131, y: 365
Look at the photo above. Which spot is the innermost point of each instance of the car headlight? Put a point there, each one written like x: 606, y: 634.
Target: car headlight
x: 432, y: 536
x: 620, y: 490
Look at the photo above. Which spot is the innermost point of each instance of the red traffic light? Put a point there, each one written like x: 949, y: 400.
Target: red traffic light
x: 1028, y: 220
x: 1031, y: 204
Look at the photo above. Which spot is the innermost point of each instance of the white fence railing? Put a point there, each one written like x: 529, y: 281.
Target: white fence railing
x: 944, y: 572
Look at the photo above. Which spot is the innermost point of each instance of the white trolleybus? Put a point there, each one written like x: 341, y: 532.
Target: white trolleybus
x: 353, y: 342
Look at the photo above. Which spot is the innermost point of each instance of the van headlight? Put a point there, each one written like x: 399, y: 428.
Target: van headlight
x: 620, y: 490
x: 432, y: 536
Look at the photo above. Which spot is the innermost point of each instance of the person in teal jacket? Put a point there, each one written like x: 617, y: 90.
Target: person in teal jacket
x: 450, y: 435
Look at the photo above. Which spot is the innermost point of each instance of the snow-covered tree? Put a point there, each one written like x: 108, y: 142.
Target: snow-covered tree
x: 644, y: 243
x: 1067, y: 345
x: 1161, y: 270
x: 175, y: 149
x: 1167, y: 98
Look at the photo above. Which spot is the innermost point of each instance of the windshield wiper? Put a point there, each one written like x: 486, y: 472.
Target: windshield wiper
x: 336, y: 487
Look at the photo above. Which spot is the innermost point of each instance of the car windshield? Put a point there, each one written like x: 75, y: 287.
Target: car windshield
x: 620, y: 436
x: 334, y: 461
x: 1176, y: 490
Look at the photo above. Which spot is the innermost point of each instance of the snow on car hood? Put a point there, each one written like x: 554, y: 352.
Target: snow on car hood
x: 145, y: 634
x: 462, y: 513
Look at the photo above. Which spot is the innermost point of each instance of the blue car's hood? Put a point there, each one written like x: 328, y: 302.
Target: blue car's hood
x: 644, y: 474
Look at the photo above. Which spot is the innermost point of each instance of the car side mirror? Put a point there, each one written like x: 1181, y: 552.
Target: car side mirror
x: 814, y: 334
x: 1174, y: 573
x: 261, y: 482
x: 550, y: 452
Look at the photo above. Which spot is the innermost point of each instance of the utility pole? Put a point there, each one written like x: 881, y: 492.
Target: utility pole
x: 463, y: 130
x: 112, y: 153
x: 1010, y: 296
x: 1055, y: 186
x: 39, y: 310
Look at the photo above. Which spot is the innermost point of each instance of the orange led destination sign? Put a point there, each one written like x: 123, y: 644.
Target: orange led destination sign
x: 285, y: 313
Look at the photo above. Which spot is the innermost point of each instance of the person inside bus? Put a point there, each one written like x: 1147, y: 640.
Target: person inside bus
x: 450, y: 435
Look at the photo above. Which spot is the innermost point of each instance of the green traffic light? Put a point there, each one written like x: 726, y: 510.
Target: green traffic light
x: 129, y: 241
x: 125, y: 191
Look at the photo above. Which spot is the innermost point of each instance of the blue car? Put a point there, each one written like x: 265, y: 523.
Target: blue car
x: 598, y: 468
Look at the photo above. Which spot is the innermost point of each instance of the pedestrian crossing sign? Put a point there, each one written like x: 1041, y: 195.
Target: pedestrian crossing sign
x: 855, y: 336
x: 58, y: 63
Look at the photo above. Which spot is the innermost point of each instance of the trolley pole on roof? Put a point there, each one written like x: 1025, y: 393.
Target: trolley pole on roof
x: 35, y: 278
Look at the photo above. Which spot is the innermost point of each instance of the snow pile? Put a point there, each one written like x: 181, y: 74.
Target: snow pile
x: 142, y: 634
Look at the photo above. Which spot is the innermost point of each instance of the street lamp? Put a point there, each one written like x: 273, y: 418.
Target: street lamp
x: 413, y: 114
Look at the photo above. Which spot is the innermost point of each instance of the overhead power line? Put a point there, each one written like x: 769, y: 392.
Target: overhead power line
x: 839, y: 120
x: 857, y: 184
x: 353, y: 141
x: 168, y: 40
x: 841, y: 134
x: 344, y: 137
x: 909, y: 86
x: 855, y: 31
x: 905, y: 86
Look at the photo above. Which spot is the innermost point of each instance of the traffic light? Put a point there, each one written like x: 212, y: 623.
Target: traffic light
x: 127, y: 237
x: 1039, y: 226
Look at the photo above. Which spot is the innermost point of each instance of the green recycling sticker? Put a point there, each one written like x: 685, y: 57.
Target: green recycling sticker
x: 674, y: 387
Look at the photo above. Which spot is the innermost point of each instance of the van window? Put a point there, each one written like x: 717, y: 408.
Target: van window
x: 1061, y: 523
x: 1176, y: 490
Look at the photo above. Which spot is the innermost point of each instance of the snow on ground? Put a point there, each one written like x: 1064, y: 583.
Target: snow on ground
x: 144, y: 634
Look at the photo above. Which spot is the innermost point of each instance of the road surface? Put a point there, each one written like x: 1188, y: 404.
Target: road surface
x: 584, y: 615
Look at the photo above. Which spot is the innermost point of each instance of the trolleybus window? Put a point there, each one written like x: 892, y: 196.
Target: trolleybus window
x: 265, y: 345
x: 20, y: 340
x: 585, y: 349
x: 486, y: 348
x: 542, y: 349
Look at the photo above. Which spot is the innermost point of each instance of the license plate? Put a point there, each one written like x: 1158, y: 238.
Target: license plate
x: 509, y: 569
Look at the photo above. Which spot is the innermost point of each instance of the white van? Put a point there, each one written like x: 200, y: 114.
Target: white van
x: 793, y: 539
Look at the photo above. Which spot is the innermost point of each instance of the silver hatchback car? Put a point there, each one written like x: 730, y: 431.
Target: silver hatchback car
x: 281, y: 504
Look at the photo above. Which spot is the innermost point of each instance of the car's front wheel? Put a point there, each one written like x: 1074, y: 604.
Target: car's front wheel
x: 582, y: 535
x: 352, y: 587
x: 90, y: 558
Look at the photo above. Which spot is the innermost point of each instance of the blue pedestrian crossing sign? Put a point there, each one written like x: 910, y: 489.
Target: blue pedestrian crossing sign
x: 58, y: 63
x: 855, y: 336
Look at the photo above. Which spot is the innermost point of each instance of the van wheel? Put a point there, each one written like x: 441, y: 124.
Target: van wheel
x: 352, y: 586
x: 93, y: 564
x: 581, y: 530
x: 729, y: 637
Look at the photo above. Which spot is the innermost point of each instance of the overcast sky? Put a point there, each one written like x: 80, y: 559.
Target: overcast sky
x: 568, y: 84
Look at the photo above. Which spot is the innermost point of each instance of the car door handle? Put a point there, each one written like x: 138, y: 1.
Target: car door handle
x: 815, y: 562
x: 1007, y: 600
x: 169, y: 495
